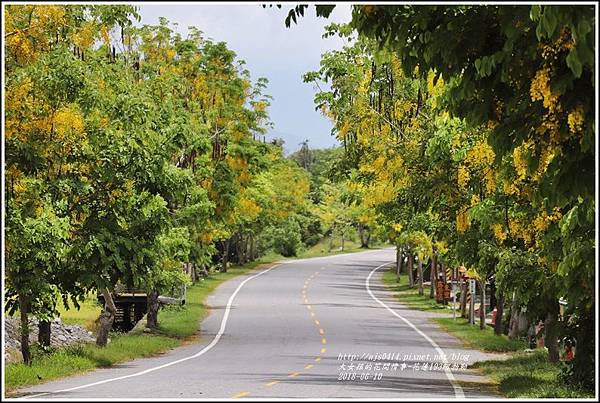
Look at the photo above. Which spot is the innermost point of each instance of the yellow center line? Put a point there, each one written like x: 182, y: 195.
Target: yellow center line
x: 317, y: 322
x: 324, y: 340
x: 321, y: 332
x: 272, y: 383
x: 323, y: 350
x: 309, y: 307
x: 242, y: 394
x: 318, y: 359
x: 312, y: 314
x: 293, y: 374
x: 309, y: 366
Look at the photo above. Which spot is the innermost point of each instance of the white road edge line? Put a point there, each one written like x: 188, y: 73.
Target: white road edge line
x: 458, y: 391
x: 198, y: 354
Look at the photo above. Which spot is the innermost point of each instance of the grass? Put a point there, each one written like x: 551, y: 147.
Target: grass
x: 410, y: 296
x: 471, y: 335
x: 529, y: 375
x: 84, y: 357
x: 477, y: 338
x: 86, y: 315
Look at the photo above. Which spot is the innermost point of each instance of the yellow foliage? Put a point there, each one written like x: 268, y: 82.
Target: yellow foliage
x: 85, y: 36
x: 481, y: 154
x: 249, y: 209
x: 519, y: 161
x: 499, y: 232
x: 462, y: 220
x: 540, y: 90
x: 490, y: 182
x: 67, y: 121
x: 28, y: 27
x: 463, y: 176
x: 575, y: 119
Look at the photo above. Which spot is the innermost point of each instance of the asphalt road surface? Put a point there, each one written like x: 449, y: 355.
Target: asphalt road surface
x: 312, y: 328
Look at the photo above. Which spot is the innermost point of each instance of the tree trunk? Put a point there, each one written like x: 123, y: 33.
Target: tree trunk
x: 251, y: 249
x: 583, y: 363
x: 239, y: 248
x: 225, y: 256
x: 432, y: 276
x: 343, y: 234
x: 152, y: 303
x: 513, y: 324
x: 246, y: 249
x: 493, y: 299
x: 482, y: 305
x: 44, y: 333
x: 204, y: 270
x: 499, y: 312
x: 411, y: 262
x: 551, y: 333
x: 364, y: 238
x: 398, y: 263
x: 420, y: 274
x: 106, y: 318
x: 331, y: 241
x: 24, y: 309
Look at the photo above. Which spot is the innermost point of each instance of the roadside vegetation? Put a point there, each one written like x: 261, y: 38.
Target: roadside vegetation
x: 408, y: 295
x: 530, y: 375
x: 525, y: 374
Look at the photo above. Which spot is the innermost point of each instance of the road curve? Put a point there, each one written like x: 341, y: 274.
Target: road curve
x: 310, y: 328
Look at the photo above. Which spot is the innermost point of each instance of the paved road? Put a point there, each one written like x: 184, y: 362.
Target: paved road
x: 287, y: 332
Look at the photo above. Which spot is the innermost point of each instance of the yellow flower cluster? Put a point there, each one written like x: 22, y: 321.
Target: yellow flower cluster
x: 499, y: 232
x: 463, y: 176
x: 67, y: 122
x: 519, y: 160
x: 575, y: 119
x: 490, y: 182
x: 434, y: 90
x: 520, y: 230
x: 249, y: 209
x: 85, y: 37
x: 543, y: 220
x: 540, y: 90
x: 236, y: 163
x: 462, y: 220
x: 481, y: 154
x: 546, y: 157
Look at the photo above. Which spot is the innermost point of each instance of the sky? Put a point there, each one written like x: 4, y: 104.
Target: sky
x: 259, y: 37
